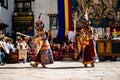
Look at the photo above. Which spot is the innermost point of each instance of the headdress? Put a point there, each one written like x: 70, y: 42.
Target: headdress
x: 39, y: 22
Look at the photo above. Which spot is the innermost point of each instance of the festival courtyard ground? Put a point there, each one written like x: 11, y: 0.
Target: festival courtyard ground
x: 63, y: 70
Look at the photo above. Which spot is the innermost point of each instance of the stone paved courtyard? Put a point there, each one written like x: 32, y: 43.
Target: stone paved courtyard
x: 63, y: 70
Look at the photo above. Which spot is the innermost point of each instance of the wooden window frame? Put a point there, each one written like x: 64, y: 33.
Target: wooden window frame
x: 22, y: 9
x: 53, y: 23
x: 4, y: 4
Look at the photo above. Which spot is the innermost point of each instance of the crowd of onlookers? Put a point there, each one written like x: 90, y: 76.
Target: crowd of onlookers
x: 63, y: 50
x: 6, y: 46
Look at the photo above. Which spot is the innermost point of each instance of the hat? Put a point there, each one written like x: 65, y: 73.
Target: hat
x: 18, y: 38
x: 26, y: 38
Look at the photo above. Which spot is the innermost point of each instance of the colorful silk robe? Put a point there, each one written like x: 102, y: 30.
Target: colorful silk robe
x: 43, y: 51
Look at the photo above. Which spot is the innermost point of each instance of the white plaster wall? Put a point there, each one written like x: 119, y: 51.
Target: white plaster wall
x: 6, y: 15
x: 45, y: 7
x: 38, y: 6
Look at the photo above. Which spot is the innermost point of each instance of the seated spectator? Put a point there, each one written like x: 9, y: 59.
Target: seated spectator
x: 5, y: 49
x: 58, y: 52
x: 10, y: 45
x: 65, y: 49
x: 2, y: 56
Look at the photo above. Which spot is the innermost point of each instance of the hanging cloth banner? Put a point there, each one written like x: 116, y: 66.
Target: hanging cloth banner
x: 64, y: 18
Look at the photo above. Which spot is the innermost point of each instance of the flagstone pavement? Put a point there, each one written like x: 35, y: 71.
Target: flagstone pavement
x: 61, y: 70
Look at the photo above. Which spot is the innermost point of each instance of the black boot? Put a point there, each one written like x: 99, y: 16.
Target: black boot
x: 34, y: 65
x: 43, y: 66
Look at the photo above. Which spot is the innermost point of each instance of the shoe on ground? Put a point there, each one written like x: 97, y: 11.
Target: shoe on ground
x: 34, y: 65
x: 92, y: 65
x: 85, y: 65
x: 2, y: 64
x: 43, y: 66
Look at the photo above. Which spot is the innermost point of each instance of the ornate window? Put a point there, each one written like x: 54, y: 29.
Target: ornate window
x: 53, y: 21
x: 4, y: 3
x: 23, y: 7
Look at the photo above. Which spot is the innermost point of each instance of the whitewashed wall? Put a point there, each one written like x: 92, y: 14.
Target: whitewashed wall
x: 6, y: 15
x: 38, y: 6
x: 45, y: 7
